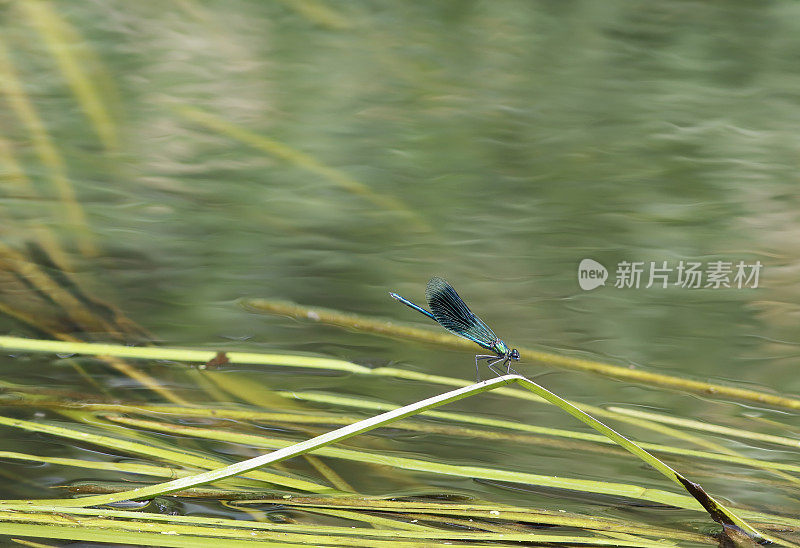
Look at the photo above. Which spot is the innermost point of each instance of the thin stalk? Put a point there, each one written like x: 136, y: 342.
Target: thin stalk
x: 371, y: 325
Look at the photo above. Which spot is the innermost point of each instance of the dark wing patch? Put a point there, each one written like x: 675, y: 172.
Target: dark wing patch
x: 454, y: 315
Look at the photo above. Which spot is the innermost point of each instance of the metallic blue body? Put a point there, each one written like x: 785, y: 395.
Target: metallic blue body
x: 450, y: 311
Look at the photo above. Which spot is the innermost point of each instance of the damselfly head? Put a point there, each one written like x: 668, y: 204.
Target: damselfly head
x: 514, y: 355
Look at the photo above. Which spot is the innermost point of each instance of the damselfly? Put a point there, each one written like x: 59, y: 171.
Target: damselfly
x: 452, y: 313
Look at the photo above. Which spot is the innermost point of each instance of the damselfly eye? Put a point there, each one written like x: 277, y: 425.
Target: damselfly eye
x: 514, y: 354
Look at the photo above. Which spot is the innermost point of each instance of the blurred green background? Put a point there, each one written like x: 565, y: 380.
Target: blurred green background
x: 327, y: 153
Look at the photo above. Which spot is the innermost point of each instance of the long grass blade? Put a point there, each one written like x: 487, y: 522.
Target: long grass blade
x: 65, y: 45
x: 371, y: 325
x: 300, y: 159
x: 708, y: 427
x: 12, y: 88
x: 286, y: 453
x: 169, y: 455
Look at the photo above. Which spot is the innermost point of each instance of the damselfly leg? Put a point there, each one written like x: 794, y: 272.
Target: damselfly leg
x: 478, y: 358
x: 506, y: 361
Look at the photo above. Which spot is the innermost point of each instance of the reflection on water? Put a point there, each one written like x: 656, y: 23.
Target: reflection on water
x: 328, y: 156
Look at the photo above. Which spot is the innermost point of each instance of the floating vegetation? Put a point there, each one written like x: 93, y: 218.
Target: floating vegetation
x: 246, y: 474
x: 140, y: 121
